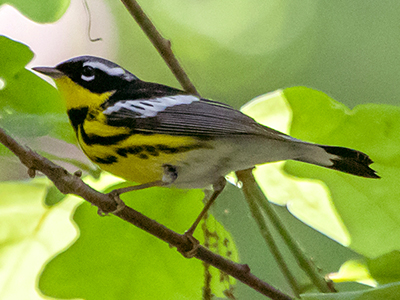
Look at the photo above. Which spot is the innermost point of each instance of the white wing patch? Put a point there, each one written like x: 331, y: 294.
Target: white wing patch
x: 150, y: 107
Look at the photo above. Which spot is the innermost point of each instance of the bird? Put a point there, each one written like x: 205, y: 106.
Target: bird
x: 156, y: 135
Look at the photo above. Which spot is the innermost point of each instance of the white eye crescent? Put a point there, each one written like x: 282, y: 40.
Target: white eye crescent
x: 87, y: 78
x: 88, y: 73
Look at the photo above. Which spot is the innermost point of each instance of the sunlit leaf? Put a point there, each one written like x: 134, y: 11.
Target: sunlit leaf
x: 32, y: 112
x: 307, y: 199
x: 30, y: 234
x: 368, y: 207
x: 387, y: 292
x: 23, y: 91
x: 42, y: 11
x: 111, y: 246
x: 353, y: 270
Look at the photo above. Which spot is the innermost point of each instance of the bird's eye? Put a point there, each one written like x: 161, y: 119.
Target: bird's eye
x: 87, y: 73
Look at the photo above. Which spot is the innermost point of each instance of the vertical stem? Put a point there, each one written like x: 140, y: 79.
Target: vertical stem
x: 250, y: 194
x: 246, y: 177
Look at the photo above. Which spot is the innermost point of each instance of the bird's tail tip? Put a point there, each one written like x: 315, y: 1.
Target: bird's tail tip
x: 350, y: 161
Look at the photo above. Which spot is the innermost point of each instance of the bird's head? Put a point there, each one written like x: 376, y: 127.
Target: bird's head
x: 87, y: 80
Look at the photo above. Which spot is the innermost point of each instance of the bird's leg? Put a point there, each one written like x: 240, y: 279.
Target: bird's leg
x: 218, y: 187
x: 170, y: 175
x: 117, y: 192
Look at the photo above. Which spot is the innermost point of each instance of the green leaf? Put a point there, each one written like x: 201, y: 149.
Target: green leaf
x: 385, y: 268
x: 27, y: 126
x: 30, y: 233
x: 53, y: 196
x: 32, y: 111
x: 23, y: 91
x: 350, y: 209
x: 41, y: 11
x: 353, y: 270
x: 387, y: 292
x: 307, y: 199
x: 113, y: 258
x: 367, y: 206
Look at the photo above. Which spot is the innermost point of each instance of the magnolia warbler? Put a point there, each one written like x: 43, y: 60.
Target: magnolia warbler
x: 157, y: 135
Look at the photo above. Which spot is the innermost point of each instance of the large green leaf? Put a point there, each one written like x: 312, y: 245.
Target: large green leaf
x: 353, y: 210
x: 30, y: 233
x: 307, y: 199
x: 112, y: 258
x: 23, y: 91
x: 31, y: 110
x: 42, y: 11
x: 368, y: 207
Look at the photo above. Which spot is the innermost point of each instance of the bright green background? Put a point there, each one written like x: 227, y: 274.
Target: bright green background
x: 42, y: 11
x: 233, y: 51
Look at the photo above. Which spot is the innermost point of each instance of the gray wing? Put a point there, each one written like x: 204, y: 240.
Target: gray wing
x: 185, y: 115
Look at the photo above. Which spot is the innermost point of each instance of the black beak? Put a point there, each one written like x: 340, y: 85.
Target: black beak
x: 49, y: 71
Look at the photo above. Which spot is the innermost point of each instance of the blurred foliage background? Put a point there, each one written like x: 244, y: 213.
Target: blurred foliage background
x: 236, y: 50
x: 233, y: 51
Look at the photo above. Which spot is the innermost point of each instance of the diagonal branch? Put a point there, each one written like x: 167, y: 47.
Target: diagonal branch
x: 162, y: 45
x: 72, y: 184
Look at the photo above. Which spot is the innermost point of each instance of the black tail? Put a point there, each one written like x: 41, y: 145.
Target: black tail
x: 350, y: 161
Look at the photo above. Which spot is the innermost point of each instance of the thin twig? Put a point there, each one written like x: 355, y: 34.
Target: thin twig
x: 250, y: 194
x: 162, y: 45
x: 71, y: 184
x: 307, y: 265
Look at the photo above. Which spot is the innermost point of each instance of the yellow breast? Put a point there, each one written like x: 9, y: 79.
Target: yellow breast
x: 141, y: 158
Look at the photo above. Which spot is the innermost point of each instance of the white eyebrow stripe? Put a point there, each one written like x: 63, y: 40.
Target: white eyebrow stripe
x: 117, y: 71
x: 146, y: 108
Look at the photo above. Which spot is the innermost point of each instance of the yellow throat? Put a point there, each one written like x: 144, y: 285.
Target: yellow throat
x: 77, y: 96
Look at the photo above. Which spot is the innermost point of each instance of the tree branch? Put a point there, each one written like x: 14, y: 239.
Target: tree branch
x: 162, y: 45
x: 72, y: 184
